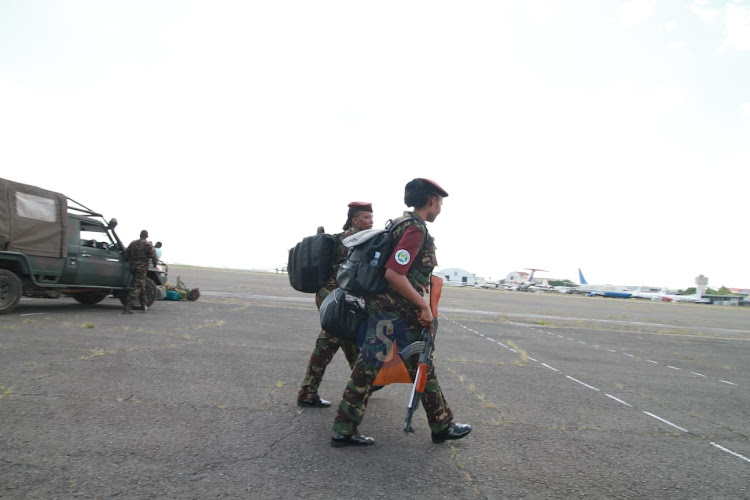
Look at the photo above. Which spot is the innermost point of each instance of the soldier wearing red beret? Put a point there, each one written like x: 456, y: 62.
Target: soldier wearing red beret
x: 358, y: 218
x: 402, y: 304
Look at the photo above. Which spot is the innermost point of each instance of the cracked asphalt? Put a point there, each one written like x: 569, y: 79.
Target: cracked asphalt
x: 569, y: 396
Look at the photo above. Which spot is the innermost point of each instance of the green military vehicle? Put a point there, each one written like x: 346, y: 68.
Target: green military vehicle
x: 52, y: 248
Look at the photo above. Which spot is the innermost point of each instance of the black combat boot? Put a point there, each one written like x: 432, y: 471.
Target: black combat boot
x: 313, y: 402
x: 453, y: 431
x: 338, y: 440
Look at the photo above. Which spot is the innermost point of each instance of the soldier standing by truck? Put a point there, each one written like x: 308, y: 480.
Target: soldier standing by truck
x: 138, y: 253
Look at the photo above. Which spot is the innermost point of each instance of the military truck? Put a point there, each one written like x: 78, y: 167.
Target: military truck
x: 52, y: 246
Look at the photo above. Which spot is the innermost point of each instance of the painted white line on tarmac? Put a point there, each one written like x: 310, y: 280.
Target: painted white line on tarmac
x: 617, y: 399
x: 731, y: 452
x: 583, y: 384
x: 626, y: 354
x: 665, y: 421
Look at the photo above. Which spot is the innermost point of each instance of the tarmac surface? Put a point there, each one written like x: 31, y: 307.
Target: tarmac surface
x: 569, y: 397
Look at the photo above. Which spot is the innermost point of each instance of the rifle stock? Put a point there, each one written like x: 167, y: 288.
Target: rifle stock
x: 420, y: 379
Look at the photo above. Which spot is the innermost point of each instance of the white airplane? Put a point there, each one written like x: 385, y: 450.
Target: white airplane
x: 664, y: 296
x: 639, y: 294
x: 544, y: 286
x: 523, y: 285
x: 619, y: 292
x: 696, y: 298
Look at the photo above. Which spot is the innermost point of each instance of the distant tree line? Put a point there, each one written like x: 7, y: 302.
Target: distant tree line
x: 561, y: 283
x: 709, y: 291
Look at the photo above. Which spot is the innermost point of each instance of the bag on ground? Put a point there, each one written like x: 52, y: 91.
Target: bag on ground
x: 342, y: 314
x: 310, y: 262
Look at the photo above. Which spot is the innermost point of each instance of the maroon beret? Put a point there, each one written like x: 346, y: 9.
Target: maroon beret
x: 360, y: 206
x: 442, y: 192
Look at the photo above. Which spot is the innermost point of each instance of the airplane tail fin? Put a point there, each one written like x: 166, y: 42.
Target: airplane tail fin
x: 581, y: 279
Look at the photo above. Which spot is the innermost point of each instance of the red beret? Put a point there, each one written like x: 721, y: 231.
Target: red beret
x: 360, y: 206
x: 442, y: 192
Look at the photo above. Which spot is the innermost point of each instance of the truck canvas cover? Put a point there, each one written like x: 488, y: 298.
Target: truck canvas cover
x: 33, y: 221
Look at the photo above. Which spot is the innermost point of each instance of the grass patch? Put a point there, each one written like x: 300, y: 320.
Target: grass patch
x: 95, y: 353
x: 524, y: 356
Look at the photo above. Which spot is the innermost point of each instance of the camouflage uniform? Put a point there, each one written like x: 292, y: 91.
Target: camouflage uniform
x: 326, y: 345
x: 394, y: 317
x: 138, y: 253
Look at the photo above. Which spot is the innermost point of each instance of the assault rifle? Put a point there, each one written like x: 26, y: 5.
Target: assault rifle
x: 425, y: 348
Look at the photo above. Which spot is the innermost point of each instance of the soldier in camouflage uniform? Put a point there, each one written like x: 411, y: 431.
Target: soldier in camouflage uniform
x: 400, y: 311
x: 138, y: 253
x: 359, y: 217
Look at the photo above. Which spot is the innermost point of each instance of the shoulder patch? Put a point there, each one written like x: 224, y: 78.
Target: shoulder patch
x: 402, y: 257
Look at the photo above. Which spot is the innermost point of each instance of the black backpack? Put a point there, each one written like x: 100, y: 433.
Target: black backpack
x: 363, y: 272
x: 311, y: 261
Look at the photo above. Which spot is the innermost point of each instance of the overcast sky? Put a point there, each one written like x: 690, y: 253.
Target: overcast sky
x: 610, y: 136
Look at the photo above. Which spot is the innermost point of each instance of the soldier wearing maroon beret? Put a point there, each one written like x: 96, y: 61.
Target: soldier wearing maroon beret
x: 359, y: 217
x: 407, y: 272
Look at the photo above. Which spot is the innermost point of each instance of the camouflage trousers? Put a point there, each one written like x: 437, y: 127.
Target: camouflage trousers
x: 137, y: 293
x: 373, y: 353
x: 325, y: 347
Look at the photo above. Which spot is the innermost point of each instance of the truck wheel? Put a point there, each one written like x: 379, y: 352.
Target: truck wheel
x: 10, y: 291
x: 150, y: 294
x: 90, y: 298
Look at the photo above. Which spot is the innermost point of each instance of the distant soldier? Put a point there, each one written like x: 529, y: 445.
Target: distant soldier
x: 358, y: 218
x: 138, y: 253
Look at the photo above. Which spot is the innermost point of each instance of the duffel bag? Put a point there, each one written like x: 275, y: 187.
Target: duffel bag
x: 342, y: 314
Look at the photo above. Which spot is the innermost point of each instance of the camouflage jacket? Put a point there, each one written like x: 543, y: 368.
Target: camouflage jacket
x: 340, y: 254
x: 418, y: 275
x: 139, y: 252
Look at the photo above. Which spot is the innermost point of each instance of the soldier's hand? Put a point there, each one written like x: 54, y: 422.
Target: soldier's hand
x: 425, y: 316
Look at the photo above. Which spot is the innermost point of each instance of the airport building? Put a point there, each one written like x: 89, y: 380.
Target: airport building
x: 456, y: 277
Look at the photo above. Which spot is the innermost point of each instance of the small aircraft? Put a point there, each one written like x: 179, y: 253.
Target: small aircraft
x: 488, y: 284
x: 695, y: 298
x: 639, y: 294
x: 523, y: 285
x: 544, y: 286
x: 664, y: 296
